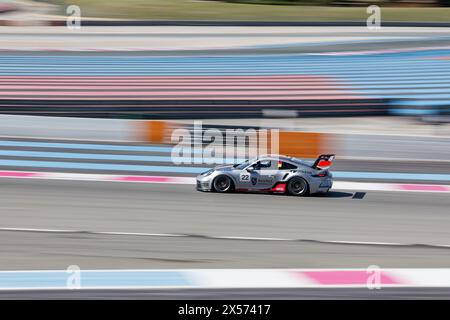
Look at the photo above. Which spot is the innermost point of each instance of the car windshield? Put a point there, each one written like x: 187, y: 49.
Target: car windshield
x: 242, y: 165
x: 245, y: 164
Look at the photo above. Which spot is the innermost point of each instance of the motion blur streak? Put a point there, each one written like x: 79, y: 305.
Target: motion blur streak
x: 179, y: 209
x: 61, y: 203
x: 92, y: 157
x: 404, y: 78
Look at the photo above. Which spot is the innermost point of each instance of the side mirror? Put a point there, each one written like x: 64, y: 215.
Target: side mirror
x: 251, y: 169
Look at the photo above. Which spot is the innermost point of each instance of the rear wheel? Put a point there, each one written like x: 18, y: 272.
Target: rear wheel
x: 223, y: 184
x: 297, y: 187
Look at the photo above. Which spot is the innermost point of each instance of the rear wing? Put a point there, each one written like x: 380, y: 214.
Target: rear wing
x: 324, y: 161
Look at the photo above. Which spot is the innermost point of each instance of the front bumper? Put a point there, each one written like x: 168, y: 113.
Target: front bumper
x: 203, y: 184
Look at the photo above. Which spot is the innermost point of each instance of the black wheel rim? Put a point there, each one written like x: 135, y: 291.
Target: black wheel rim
x: 222, y: 183
x: 298, y: 187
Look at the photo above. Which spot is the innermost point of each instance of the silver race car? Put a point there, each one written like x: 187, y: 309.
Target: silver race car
x: 277, y: 174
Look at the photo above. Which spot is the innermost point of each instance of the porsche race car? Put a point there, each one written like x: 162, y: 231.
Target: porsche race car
x: 272, y: 173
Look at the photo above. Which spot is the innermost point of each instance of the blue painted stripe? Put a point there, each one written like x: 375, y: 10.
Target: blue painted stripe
x: 344, y: 68
x: 243, y: 71
x: 423, y: 103
x: 413, y: 112
x: 201, y: 62
x: 196, y: 170
x: 273, y: 64
x: 124, y: 59
x: 280, y: 66
x: 99, y: 166
x: 82, y: 146
x: 118, y: 157
x: 60, y: 279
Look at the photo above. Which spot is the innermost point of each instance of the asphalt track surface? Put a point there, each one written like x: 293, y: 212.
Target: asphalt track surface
x: 412, y: 224
x: 88, y: 208
x: 239, y: 294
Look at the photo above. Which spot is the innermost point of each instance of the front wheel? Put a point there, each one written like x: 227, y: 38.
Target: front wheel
x: 223, y: 184
x: 297, y: 187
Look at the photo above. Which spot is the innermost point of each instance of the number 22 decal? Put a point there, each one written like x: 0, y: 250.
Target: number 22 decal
x: 245, y: 177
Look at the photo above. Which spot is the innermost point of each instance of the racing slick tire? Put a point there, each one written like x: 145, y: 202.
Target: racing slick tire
x: 297, y: 187
x: 223, y: 184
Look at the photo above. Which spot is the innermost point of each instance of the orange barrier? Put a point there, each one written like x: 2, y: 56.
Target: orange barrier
x: 289, y: 143
x: 304, y: 144
x: 155, y: 131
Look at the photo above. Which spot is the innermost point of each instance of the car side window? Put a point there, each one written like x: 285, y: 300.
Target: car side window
x: 262, y: 164
x: 286, y: 166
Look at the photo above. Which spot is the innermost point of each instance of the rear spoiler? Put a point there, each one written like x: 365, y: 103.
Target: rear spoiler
x: 324, y: 161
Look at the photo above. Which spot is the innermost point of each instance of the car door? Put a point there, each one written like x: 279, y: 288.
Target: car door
x: 264, y: 175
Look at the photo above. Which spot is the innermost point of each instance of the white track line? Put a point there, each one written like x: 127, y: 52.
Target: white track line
x: 223, y: 237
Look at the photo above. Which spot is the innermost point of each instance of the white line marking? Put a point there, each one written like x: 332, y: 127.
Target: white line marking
x: 243, y: 238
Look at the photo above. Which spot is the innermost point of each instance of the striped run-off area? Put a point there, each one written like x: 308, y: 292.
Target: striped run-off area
x: 119, y: 162
x: 175, y: 87
x: 371, y: 278
x: 338, y: 185
x: 416, y: 78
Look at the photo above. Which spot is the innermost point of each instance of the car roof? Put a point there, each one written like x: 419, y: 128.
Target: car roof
x: 277, y: 156
x: 283, y: 158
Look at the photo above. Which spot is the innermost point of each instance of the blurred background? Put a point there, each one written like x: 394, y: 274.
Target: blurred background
x: 99, y: 102
x: 253, y: 10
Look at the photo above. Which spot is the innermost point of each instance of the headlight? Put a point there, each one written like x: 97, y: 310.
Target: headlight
x: 207, y: 173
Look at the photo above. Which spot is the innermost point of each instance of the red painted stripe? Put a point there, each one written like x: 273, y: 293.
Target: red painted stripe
x: 180, y: 81
x: 150, y: 179
x: 440, y: 58
x: 167, y: 87
x: 346, y: 277
x: 198, y: 97
x: 19, y: 174
x: 423, y: 187
x: 172, y: 81
x: 146, y: 179
x: 93, y: 87
x: 180, y: 93
x: 169, y: 77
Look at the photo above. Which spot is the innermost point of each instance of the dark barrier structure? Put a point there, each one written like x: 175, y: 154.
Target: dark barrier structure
x: 195, y: 109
